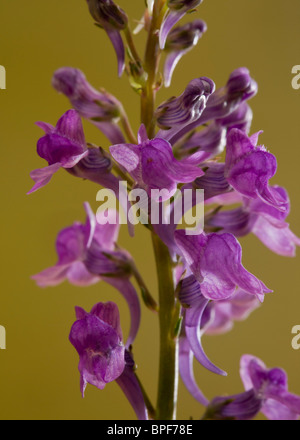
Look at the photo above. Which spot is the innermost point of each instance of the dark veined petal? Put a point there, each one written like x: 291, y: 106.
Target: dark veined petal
x: 213, y: 182
x: 203, y: 145
x: 224, y: 101
x: 108, y: 14
x: 177, y: 113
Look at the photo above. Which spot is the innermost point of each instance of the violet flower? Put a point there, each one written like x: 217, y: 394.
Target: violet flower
x: 202, y: 146
x: 175, y: 114
x: 97, y: 337
x: 263, y: 220
x: 101, y: 108
x: 179, y: 42
x: 177, y: 10
x: 113, y: 20
x: 272, y: 387
x: 213, y: 182
x: 266, y: 392
x: 219, y: 316
x: 223, y: 102
x: 76, y: 257
x: 216, y: 262
x: 249, y: 168
x: 62, y: 146
x: 145, y: 162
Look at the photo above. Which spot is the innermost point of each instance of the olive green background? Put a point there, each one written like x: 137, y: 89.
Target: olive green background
x: 38, y: 370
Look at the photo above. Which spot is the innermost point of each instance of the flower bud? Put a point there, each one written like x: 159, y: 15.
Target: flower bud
x: 108, y: 14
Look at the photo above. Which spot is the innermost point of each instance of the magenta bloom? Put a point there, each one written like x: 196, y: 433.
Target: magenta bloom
x: 263, y: 220
x: 271, y: 386
x: 225, y: 105
x: 62, y: 146
x: 145, y: 163
x: 249, y: 168
x: 87, y: 254
x: 175, y: 114
x: 72, y: 246
x: 219, y: 316
x: 266, y: 392
x: 100, y: 107
x: 216, y: 262
x: 97, y: 337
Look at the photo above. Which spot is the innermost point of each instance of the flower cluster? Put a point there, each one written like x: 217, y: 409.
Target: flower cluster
x: 197, y: 140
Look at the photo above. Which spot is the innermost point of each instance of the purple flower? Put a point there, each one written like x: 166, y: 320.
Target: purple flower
x: 177, y: 10
x: 174, y: 115
x: 204, y: 145
x: 263, y: 220
x: 249, y: 168
x: 266, y: 392
x: 213, y: 182
x: 244, y: 406
x: 153, y: 165
x: 271, y: 386
x: 216, y: 262
x: 113, y: 20
x: 219, y: 316
x: 225, y: 102
x: 87, y: 254
x: 180, y: 41
x: 62, y: 146
x: 101, y: 108
x: 97, y: 337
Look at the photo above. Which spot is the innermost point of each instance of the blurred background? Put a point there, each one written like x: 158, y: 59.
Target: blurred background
x: 38, y: 370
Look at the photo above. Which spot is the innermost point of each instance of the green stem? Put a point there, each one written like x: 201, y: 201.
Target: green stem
x: 147, y: 297
x: 127, y: 128
x: 168, y: 318
x: 151, y: 63
x: 131, y: 45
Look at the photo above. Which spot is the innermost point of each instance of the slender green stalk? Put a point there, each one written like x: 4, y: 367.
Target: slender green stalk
x: 131, y: 45
x: 152, y: 56
x: 168, y: 310
x: 127, y: 128
x: 168, y: 368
